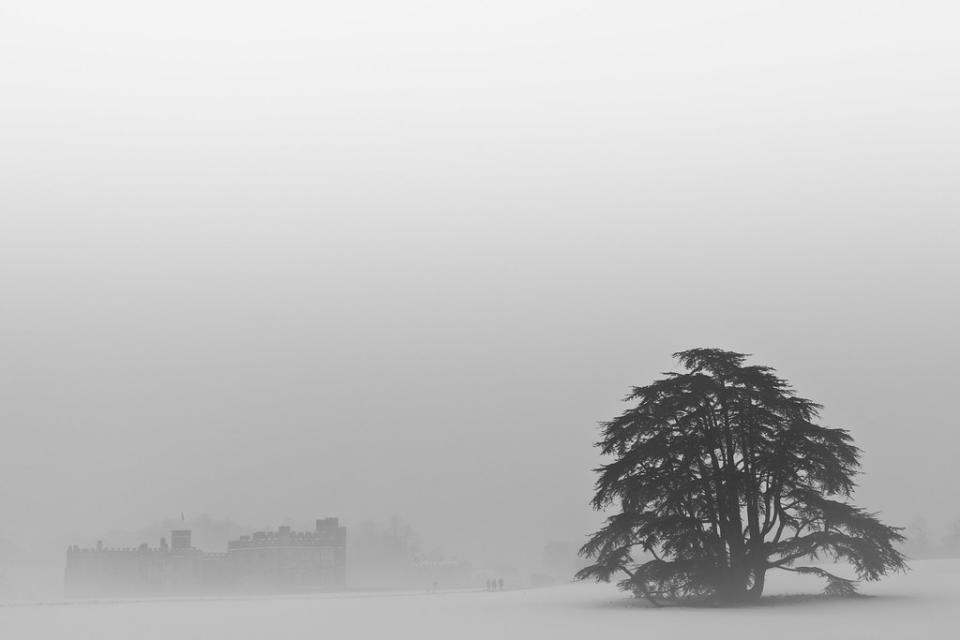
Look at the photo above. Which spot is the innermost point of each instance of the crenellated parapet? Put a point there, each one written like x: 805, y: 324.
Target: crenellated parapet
x: 268, y: 561
x: 328, y: 533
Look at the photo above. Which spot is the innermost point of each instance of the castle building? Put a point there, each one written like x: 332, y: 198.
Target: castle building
x: 284, y: 561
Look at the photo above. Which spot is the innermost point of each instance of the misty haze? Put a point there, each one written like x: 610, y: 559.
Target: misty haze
x: 509, y: 319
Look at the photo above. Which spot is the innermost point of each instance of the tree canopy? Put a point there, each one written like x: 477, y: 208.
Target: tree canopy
x: 721, y: 473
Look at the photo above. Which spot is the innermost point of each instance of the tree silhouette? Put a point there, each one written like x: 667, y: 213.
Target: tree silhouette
x: 720, y: 474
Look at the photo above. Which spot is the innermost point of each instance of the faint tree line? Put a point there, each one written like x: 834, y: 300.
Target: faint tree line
x: 922, y: 542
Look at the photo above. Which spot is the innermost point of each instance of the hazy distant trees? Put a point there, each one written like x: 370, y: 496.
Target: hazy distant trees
x: 921, y: 543
x: 559, y: 561
x: 721, y: 473
x: 951, y: 542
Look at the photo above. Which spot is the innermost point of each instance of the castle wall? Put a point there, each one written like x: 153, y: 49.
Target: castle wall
x: 278, y: 562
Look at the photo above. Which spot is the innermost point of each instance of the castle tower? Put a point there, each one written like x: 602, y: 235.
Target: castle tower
x: 180, y: 540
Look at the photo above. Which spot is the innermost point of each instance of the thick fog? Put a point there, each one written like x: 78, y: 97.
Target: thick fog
x: 271, y: 262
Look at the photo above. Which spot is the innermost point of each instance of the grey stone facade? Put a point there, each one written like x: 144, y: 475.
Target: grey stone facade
x: 283, y: 561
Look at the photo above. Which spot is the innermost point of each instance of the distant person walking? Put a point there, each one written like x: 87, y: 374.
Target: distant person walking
x: 500, y: 584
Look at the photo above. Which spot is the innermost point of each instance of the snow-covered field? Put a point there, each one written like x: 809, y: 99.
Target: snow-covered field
x: 923, y: 603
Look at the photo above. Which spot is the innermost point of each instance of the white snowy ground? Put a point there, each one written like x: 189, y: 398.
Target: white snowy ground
x: 921, y: 604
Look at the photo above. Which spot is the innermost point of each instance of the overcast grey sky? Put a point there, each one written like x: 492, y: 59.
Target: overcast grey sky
x: 293, y: 259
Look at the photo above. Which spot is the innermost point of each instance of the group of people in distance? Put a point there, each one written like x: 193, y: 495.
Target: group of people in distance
x: 495, y: 584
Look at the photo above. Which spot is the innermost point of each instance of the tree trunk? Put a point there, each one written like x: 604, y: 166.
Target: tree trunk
x: 756, y: 589
x: 741, y: 585
x: 733, y: 586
